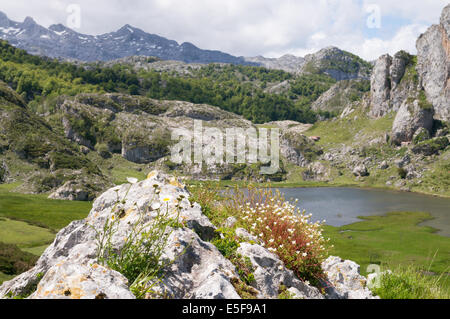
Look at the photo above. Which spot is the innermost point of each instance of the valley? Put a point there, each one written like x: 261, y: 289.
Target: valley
x: 74, y: 124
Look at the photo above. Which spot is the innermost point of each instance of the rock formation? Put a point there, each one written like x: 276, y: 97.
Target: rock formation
x: 433, y: 65
x: 70, y: 268
x: 73, y: 190
x: 360, y: 171
x: 342, y: 95
x: 345, y: 279
x: 381, y: 86
x: 4, y: 172
x: 410, y: 118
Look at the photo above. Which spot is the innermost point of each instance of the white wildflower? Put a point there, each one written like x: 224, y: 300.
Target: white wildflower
x: 132, y: 180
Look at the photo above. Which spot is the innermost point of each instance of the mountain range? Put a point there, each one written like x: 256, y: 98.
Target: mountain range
x: 73, y: 129
x: 59, y: 41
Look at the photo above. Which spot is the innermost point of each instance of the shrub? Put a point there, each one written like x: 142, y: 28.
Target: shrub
x: 285, y: 231
x: 402, y: 173
x: 423, y: 102
x: 103, y: 150
x: 44, y: 182
x: 430, y: 147
x: 67, y: 159
x: 14, y: 261
x: 226, y: 244
x: 32, y: 146
x: 133, y: 89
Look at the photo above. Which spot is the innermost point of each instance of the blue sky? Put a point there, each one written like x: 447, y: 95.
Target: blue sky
x: 252, y: 27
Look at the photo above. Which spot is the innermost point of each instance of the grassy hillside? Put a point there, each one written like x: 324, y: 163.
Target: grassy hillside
x: 358, y: 138
x: 239, y: 89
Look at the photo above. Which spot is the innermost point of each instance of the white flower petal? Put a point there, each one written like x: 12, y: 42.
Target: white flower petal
x: 132, y: 180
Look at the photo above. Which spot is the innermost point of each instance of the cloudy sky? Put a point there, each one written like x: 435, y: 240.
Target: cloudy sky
x: 271, y: 28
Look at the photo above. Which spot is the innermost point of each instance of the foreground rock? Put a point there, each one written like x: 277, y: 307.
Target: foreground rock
x: 67, y: 280
x: 194, y: 268
x: 270, y: 274
x: 345, y: 281
x: 199, y: 270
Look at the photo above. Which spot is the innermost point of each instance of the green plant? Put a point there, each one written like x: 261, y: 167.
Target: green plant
x: 227, y: 244
x: 138, y: 258
x: 14, y: 261
x: 29, y: 290
x: 285, y: 231
x: 244, y: 291
x: 432, y: 146
x: 245, y: 268
x: 402, y: 172
x: 410, y: 282
x: 209, y: 197
x: 423, y: 102
x: 283, y: 293
x: 421, y: 136
x: 103, y: 150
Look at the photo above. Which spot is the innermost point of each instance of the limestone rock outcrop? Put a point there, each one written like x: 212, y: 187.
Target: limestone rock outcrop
x: 4, y: 172
x: 67, y: 280
x: 411, y: 117
x: 270, y: 273
x: 390, y: 85
x: 345, y: 280
x: 73, y: 190
x: 381, y: 86
x: 433, y: 65
x: 70, y: 268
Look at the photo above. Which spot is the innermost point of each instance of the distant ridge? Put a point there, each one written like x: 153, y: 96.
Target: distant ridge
x: 59, y: 41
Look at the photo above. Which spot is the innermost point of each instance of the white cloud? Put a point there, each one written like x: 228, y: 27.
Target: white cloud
x: 404, y: 39
x: 416, y: 10
x: 248, y: 27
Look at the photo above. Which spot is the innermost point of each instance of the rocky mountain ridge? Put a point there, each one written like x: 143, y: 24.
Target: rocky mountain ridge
x: 393, y: 130
x: 59, y: 41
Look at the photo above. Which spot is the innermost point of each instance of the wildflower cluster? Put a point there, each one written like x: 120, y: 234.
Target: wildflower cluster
x: 287, y: 232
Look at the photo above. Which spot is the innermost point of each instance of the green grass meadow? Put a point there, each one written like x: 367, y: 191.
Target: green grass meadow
x: 31, y: 222
x: 39, y: 210
x: 392, y: 239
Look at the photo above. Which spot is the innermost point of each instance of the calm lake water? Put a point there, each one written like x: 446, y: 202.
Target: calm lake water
x: 342, y: 206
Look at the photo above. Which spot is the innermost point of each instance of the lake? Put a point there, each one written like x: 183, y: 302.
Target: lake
x: 342, y: 206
